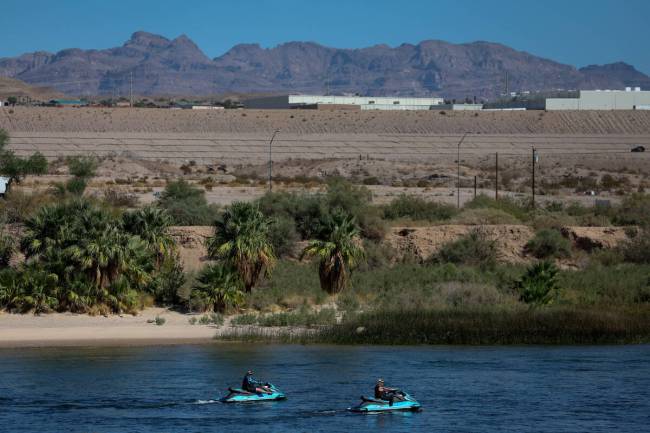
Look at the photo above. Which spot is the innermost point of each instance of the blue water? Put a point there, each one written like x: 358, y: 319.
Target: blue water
x: 174, y: 389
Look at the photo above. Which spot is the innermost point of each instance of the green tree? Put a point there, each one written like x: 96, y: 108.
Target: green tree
x: 218, y: 288
x: 338, y: 253
x: 16, y: 168
x: 12, y: 100
x: 241, y: 239
x: 186, y: 204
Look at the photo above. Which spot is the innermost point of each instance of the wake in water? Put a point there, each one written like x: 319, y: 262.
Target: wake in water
x: 206, y: 401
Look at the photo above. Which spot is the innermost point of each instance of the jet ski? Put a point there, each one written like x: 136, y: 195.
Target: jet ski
x: 375, y: 405
x: 238, y: 395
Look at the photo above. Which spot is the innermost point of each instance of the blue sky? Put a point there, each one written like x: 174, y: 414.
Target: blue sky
x: 577, y: 32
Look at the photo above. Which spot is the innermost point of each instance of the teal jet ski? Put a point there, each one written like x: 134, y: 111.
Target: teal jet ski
x: 238, y: 395
x: 376, y: 405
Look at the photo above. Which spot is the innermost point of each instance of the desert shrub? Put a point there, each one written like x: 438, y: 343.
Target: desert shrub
x: 415, y: 208
x: 118, y: 198
x: 609, y: 284
x: 307, y: 211
x: 17, y: 205
x: 211, y: 319
x: 7, y: 247
x: 552, y: 220
x: 291, y: 284
x: 371, y: 223
x: 633, y: 210
x: 372, y: 180
x: 539, y: 285
x: 82, y: 166
x: 484, y: 216
x: 459, y: 294
x: 76, y: 185
x: 283, y: 235
x: 186, y: 204
x: 16, y: 168
x: 311, y: 212
x: 245, y: 319
x: 159, y: 321
x: 637, y: 249
x: 378, y: 255
x: 168, y: 281
x: 475, y: 248
x: 519, y: 210
x: 549, y: 243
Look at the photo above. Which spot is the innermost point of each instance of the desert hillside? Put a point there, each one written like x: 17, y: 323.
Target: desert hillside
x: 39, y: 119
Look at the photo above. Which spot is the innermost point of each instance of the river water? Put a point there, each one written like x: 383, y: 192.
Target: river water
x: 462, y: 389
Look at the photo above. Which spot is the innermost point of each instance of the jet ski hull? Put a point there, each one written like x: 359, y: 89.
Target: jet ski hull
x: 371, y: 405
x: 237, y: 395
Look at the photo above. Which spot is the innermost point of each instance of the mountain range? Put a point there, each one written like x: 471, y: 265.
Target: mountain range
x: 154, y: 65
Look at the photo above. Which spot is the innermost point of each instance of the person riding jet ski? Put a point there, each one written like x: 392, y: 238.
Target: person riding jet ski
x: 389, y: 394
x: 251, y: 385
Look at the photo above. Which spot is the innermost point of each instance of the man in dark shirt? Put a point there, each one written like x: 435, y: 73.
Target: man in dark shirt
x: 385, y: 393
x: 251, y: 385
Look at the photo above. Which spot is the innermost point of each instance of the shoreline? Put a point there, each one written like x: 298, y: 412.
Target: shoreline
x: 80, y: 330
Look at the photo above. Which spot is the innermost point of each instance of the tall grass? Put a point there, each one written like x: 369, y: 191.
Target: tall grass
x: 559, y: 325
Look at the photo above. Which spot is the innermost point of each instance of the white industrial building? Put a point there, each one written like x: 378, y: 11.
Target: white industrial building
x: 628, y: 99
x: 353, y: 102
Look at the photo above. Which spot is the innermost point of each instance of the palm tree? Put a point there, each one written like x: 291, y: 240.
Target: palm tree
x: 218, y: 287
x: 241, y: 239
x: 151, y: 224
x: 338, y: 254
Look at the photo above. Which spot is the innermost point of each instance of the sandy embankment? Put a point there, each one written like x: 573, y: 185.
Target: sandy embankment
x: 50, y: 330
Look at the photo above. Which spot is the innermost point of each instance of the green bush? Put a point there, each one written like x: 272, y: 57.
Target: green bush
x: 168, y: 281
x: 76, y: 185
x: 521, y: 211
x: 539, y: 285
x: 484, y: 216
x: 283, y: 235
x: 7, y: 247
x: 633, y: 210
x: 82, y: 166
x: 549, y: 243
x: 186, y: 204
x: 415, y: 208
x: 475, y: 248
x: 637, y: 249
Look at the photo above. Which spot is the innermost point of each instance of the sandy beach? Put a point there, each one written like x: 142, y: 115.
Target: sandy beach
x: 65, y: 329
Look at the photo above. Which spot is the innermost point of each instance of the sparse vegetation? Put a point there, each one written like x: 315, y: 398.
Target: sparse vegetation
x: 476, y: 248
x: 186, y: 204
x: 549, y: 243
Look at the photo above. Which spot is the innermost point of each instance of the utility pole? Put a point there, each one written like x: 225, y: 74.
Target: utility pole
x: 131, y: 89
x: 533, y: 177
x: 496, y: 176
x: 271, y: 160
x: 458, y: 175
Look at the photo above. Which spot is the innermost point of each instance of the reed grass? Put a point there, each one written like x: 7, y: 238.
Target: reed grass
x: 481, y: 326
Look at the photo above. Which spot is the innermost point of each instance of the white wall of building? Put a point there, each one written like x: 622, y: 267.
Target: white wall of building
x: 601, y: 100
x: 367, y: 102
